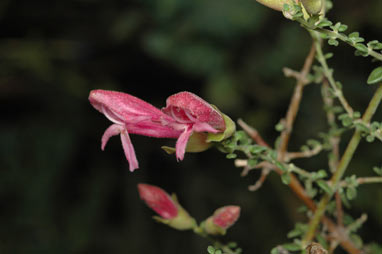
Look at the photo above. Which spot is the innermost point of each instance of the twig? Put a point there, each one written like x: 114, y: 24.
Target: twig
x: 329, y: 75
x: 305, y: 154
x: 364, y: 180
x: 260, y: 181
x: 333, y: 140
x: 299, y: 191
x: 253, y: 133
x: 342, y: 166
x: 357, y: 223
x: 295, y: 103
x: 340, y: 213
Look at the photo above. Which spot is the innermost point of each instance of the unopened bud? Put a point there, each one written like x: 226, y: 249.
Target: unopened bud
x: 312, y: 6
x: 276, y: 4
x: 169, y: 210
x: 221, y: 220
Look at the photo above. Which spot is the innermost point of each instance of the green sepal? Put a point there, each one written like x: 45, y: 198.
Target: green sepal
x: 230, y: 128
x: 183, y: 221
x: 211, y: 228
x: 196, y: 143
x: 312, y: 6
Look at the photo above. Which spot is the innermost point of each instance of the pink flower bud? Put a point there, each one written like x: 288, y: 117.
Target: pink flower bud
x: 158, y: 200
x: 226, y: 216
x: 170, y: 211
x: 221, y: 220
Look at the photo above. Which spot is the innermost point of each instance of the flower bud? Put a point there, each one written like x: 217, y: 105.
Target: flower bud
x: 221, y: 220
x: 312, y: 6
x: 276, y: 4
x: 169, y: 210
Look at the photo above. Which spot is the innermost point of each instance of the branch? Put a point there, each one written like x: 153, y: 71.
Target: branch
x: 295, y: 103
x: 329, y: 75
x: 299, y: 191
x: 342, y: 166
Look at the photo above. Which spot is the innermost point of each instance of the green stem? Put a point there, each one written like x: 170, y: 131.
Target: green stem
x: 343, y: 164
x: 336, y: 35
x: 344, y: 38
x: 329, y: 75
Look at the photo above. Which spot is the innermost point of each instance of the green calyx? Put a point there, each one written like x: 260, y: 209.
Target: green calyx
x: 183, y: 221
x: 230, y: 128
x: 275, y: 4
x: 312, y: 6
x: 211, y: 228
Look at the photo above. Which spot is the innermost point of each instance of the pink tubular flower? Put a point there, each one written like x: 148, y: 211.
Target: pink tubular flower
x: 170, y: 211
x: 184, y: 114
x: 222, y: 219
x: 158, y: 200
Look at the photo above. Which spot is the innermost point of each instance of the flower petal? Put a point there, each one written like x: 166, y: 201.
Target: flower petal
x: 204, y: 127
x: 181, y: 143
x: 113, y: 130
x: 129, y: 150
x: 197, y: 107
x: 152, y: 129
x: 126, y: 107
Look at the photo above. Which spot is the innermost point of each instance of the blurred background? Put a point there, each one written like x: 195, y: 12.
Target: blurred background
x: 59, y: 193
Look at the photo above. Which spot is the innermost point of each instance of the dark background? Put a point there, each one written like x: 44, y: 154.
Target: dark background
x: 59, y: 193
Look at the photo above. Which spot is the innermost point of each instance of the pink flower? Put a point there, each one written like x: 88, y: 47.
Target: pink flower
x: 221, y: 220
x: 158, y: 200
x: 184, y: 114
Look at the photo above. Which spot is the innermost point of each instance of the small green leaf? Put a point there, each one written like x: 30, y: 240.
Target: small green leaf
x: 322, y: 173
x: 210, y: 249
x: 231, y: 156
x: 375, y: 76
x: 342, y: 28
x: 333, y: 42
x: 374, y: 45
x: 292, y: 246
x: 351, y: 193
x: 378, y: 170
x: 323, y: 185
x: 252, y: 162
x: 328, y: 55
x: 281, y: 166
x: 347, y: 121
x: 218, y: 252
x: 354, y: 35
x: 324, y: 23
x: 279, y: 127
x: 356, y: 114
x: 361, y: 47
x: 370, y: 138
x: 275, y: 250
x: 361, y: 127
x: 285, y: 178
x: 256, y: 149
